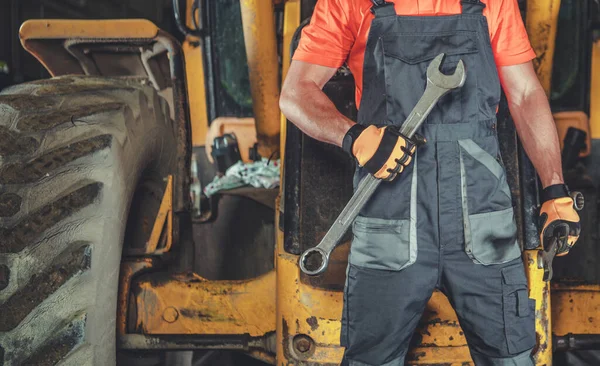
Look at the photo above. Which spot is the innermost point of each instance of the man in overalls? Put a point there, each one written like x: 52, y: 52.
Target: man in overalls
x: 446, y: 221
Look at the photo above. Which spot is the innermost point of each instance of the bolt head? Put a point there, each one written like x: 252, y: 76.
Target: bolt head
x: 170, y: 315
x: 302, y: 343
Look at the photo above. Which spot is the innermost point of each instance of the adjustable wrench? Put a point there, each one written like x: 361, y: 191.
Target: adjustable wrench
x: 546, y: 254
x: 314, y: 261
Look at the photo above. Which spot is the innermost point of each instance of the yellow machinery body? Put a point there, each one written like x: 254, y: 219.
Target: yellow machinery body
x: 282, y: 317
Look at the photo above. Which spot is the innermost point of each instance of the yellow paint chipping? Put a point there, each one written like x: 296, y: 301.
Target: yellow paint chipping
x: 542, y: 17
x: 575, y: 309
x: 539, y: 290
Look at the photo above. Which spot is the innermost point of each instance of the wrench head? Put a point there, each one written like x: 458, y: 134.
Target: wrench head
x: 321, y: 259
x: 439, y: 79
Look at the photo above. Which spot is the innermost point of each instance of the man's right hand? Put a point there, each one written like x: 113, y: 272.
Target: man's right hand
x: 382, y: 151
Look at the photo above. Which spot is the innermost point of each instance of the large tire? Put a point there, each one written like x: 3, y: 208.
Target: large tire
x: 72, y: 152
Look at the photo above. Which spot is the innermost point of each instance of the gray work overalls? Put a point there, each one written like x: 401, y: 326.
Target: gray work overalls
x: 447, y: 221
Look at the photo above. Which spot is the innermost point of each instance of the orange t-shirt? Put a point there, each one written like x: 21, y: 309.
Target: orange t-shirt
x: 339, y: 29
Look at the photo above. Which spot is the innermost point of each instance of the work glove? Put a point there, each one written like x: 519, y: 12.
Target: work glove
x: 558, y: 218
x: 382, y: 151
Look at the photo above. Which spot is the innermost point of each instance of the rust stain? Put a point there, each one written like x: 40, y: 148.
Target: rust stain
x: 415, y: 356
x: 313, y: 322
x: 285, y: 335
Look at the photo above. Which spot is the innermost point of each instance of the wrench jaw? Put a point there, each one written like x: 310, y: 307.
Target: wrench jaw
x: 439, y: 79
x: 311, y: 258
x: 545, y: 257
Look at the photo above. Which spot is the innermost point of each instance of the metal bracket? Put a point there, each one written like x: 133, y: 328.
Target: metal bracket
x: 164, y: 220
x: 161, y: 236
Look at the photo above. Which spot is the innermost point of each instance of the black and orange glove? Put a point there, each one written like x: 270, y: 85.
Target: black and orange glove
x: 558, y: 218
x: 382, y: 151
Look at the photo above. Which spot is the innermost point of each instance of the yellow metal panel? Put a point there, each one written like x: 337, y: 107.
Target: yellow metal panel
x: 291, y: 22
x: 189, y: 14
x: 189, y: 304
x: 194, y: 69
x: 62, y: 28
x: 196, y: 88
x: 302, y: 309
x: 595, y: 92
x: 539, y: 290
x: 541, y: 19
x: 575, y: 309
x: 258, y: 21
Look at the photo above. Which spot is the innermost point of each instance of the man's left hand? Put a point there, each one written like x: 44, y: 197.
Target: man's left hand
x: 558, y: 218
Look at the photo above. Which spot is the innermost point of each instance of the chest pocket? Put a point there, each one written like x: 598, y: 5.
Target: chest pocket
x: 406, y: 57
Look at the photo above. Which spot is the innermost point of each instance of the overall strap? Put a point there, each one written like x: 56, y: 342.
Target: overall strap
x: 382, y: 8
x: 472, y: 7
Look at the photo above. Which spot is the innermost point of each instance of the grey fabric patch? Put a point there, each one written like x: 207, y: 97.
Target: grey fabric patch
x: 522, y: 359
x: 493, y: 237
x: 412, y: 230
x: 387, y: 244
x: 487, y: 160
x: 381, y: 244
x: 490, y: 237
x: 465, y: 209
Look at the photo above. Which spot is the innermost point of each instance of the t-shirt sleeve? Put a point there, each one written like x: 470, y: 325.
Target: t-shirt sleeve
x: 509, y: 38
x: 329, y: 37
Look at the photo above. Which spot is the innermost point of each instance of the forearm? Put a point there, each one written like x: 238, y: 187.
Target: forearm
x: 537, y: 131
x: 312, y: 111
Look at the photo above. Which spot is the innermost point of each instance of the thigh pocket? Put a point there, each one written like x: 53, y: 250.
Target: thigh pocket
x: 519, y: 311
x: 491, y: 237
x: 383, y: 244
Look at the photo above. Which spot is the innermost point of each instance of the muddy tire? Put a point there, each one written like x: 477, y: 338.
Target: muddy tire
x: 72, y: 152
